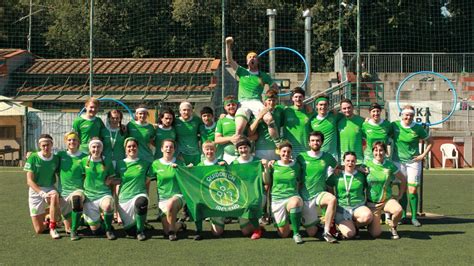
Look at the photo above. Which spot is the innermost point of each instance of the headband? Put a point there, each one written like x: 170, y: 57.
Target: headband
x: 141, y: 109
x: 45, y: 139
x: 95, y: 141
x: 129, y: 139
x: 408, y: 111
x: 73, y: 134
x: 251, y: 54
x: 226, y: 102
x: 321, y: 98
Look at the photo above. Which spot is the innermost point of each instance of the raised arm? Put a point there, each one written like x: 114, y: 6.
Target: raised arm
x: 228, y: 53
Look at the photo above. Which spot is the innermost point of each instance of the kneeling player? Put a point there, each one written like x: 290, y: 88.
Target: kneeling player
x: 99, y: 175
x: 133, y: 198
x: 171, y: 200
x: 315, y: 166
x: 350, y: 186
x: 286, y: 202
x: 71, y: 184
x: 40, y: 170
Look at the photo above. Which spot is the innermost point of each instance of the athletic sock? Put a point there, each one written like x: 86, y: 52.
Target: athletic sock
x: 140, y: 222
x: 413, y: 205
x: 108, y: 218
x: 75, y: 220
x: 198, y: 226
x: 254, y: 222
x: 295, y: 218
x: 52, y: 225
x: 404, y: 204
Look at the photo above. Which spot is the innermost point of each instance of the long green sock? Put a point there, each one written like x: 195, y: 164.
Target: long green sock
x: 75, y: 220
x: 295, y: 218
x: 108, y: 217
x: 404, y: 204
x: 198, y: 226
x: 140, y: 222
x: 254, y: 222
x: 413, y: 205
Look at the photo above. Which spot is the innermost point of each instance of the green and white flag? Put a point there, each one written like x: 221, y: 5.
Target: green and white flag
x: 222, y: 191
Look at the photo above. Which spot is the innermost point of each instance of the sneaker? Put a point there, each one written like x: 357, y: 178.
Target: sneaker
x: 74, y: 236
x: 394, y: 233
x: 198, y: 237
x: 329, y: 238
x: 110, y: 235
x: 297, y: 238
x: 257, y: 234
x: 357, y: 235
x: 141, y: 236
x: 54, y: 234
x: 172, y: 237
x: 415, y: 223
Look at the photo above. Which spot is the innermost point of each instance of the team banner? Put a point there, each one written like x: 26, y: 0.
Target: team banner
x: 222, y: 191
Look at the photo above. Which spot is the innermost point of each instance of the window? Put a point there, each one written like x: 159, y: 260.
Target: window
x: 7, y: 132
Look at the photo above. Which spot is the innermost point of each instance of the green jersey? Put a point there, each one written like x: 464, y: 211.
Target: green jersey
x: 162, y: 134
x: 406, y: 141
x: 226, y: 128
x: 166, y: 182
x: 328, y: 127
x: 133, y: 174
x: 187, y: 135
x: 87, y: 129
x: 251, y: 84
x: 295, y: 123
x: 241, y: 161
x: 207, y: 132
x: 113, y: 144
x: 350, y: 136
x: 144, y: 133
x: 375, y: 132
x: 96, y: 172
x: 70, y: 172
x: 314, y: 173
x: 44, y: 169
x: 205, y: 162
x: 264, y: 141
x: 379, y: 180
x: 350, y: 189
x: 285, y: 180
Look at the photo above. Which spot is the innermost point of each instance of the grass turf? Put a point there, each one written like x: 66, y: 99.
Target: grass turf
x: 443, y: 240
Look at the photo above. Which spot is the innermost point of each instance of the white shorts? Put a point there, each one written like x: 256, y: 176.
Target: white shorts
x: 279, y: 211
x: 412, y: 170
x: 127, y: 211
x: 248, y: 108
x: 36, y: 203
x: 66, y: 202
x: 345, y: 214
x: 163, y: 202
x: 266, y: 154
x: 310, y: 210
x: 92, y: 210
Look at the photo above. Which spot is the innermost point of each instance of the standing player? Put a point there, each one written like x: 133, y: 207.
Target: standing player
x: 249, y: 225
x: 143, y: 132
x: 286, y: 175
x: 113, y: 136
x: 133, y: 198
x: 187, y: 134
x: 40, y: 170
x: 315, y: 166
x: 71, y: 184
x: 207, y: 130
x: 165, y: 130
x: 326, y: 123
x: 98, y: 177
x: 350, y: 131
x: 225, y: 130
x: 406, y: 154
x: 382, y: 173
x: 375, y: 129
x: 268, y: 135
x: 88, y: 125
x: 296, y: 122
x: 251, y: 86
x: 350, y: 187
x: 170, y: 198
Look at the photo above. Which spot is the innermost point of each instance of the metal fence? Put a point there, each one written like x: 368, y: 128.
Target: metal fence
x: 399, y: 62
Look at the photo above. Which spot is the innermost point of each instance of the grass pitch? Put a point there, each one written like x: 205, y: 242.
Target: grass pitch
x: 446, y: 239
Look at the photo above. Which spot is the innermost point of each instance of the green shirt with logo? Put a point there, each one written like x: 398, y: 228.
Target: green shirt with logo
x: 44, y: 169
x: 226, y: 128
x: 349, y: 193
x: 96, y: 172
x: 314, y: 173
x: 251, y: 85
x: 113, y: 144
x: 133, y: 174
x: 406, y: 141
x: 375, y: 132
x: 187, y: 135
x: 328, y: 127
x: 144, y: 133
x: 285, y: 180
x: 350, y: 136
x: 162, y: 134
x: 379, y: 180
x: 165, y: 174
x: 70, y: 172
x: 87, y: 129
x: 295, y: 123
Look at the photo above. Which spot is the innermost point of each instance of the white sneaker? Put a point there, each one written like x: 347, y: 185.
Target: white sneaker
x: 297, y: 238
x: 54, y: 234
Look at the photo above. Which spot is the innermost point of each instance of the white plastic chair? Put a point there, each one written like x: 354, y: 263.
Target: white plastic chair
x: 449, y: 152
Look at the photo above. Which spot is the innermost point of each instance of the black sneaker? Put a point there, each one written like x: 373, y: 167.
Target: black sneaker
x: 141, y: 236
x: 329, y: 238
x: 110, y: 235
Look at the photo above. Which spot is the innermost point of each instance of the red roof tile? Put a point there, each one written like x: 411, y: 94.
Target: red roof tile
x: 7, y: 53
x: 126, y: 66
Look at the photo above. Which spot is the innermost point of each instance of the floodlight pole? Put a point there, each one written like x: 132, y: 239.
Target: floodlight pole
x: 307, y: 46
x: 271, y: 13
x: 340, y: 23
x: 223, y: 51
x: 358, y: 51
x: 91, y: 62
x: 28, y: 46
